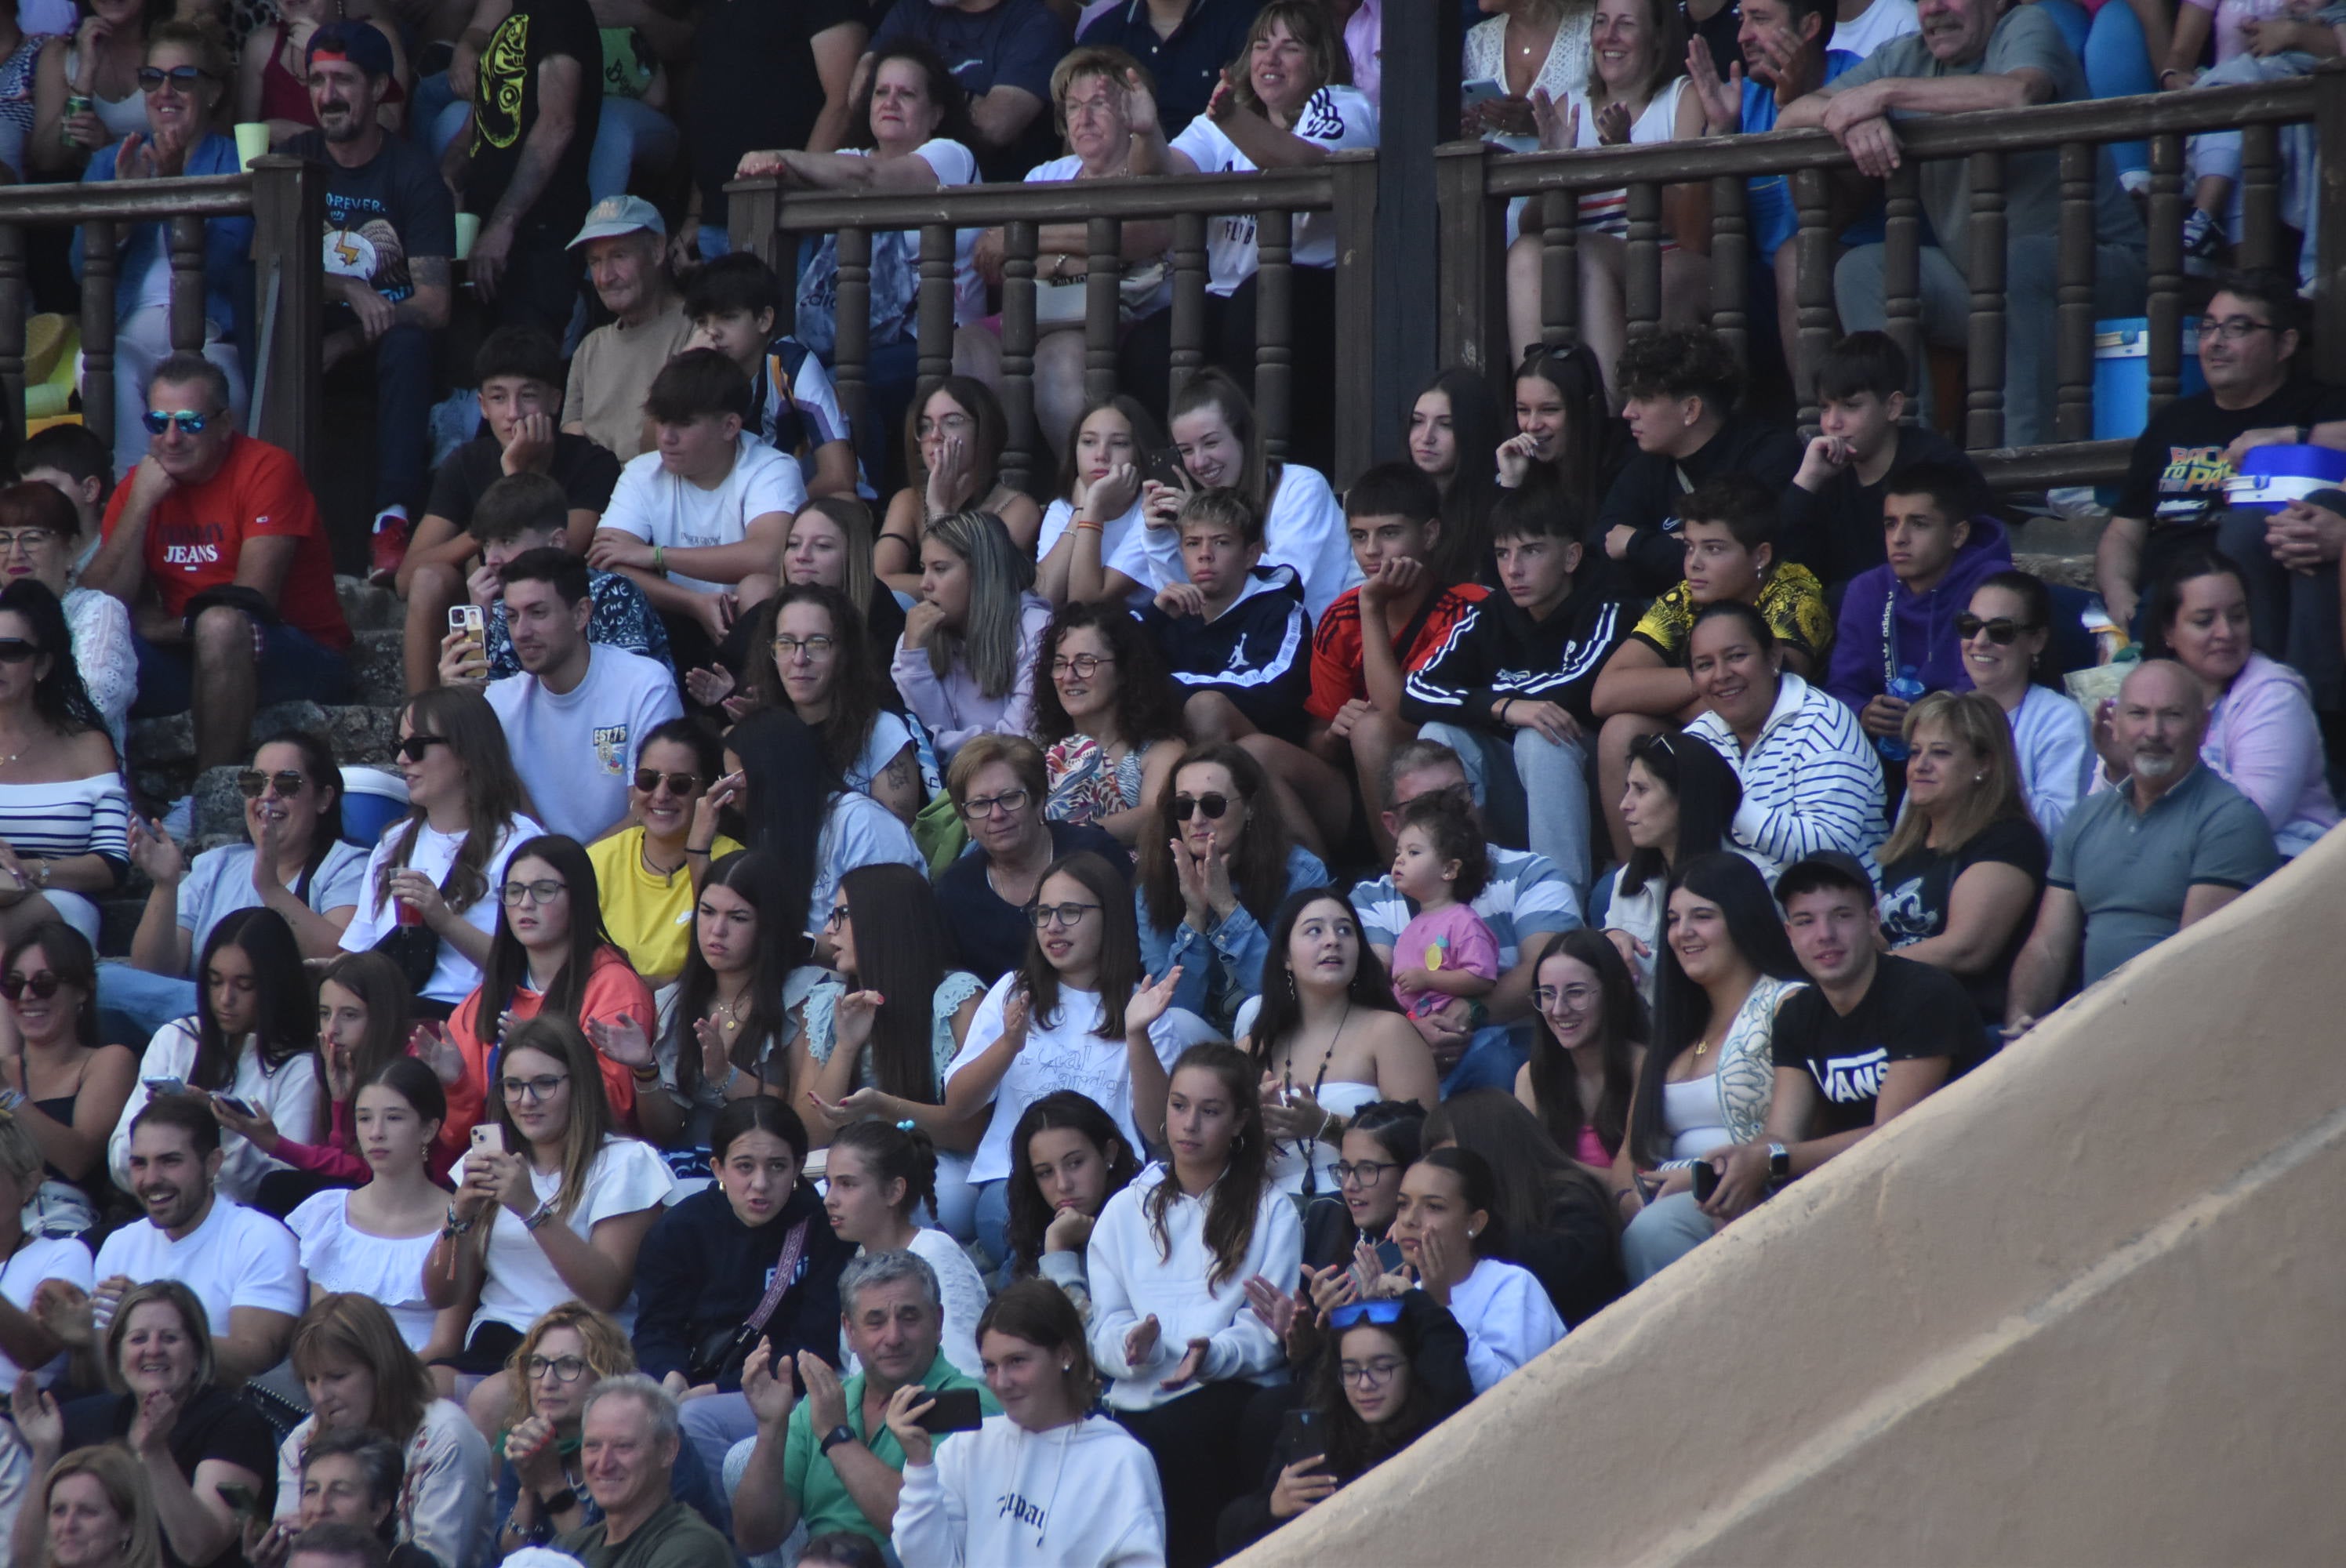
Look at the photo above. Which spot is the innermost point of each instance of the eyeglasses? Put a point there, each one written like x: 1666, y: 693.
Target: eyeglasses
x: 417, y: 747
x: 1384, y: 1309
x: 649, y: 780
x: 190, y: 422
x: 2236, y: 330
x: 43, y: 985
x: 1373, y: 1374
x: 1010, y: 803
x: 252, y: 782
x: 814, y: 647
x: 1213, y: 806
x: 1083, y: 667
x: 1067, y: 915
x: 535, y: 1090
x: 16, y: 650
x: 1365, y: 1172
x: 2003, y: 631
x: 26, y: 539
x: 836, y: 918
x: 152, y: 77
x: 566, y: 1368
x: 1565, y: 999
x: 541, y: 892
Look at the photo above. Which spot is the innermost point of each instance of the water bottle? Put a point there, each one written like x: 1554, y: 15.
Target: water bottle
x: 1905, y: 688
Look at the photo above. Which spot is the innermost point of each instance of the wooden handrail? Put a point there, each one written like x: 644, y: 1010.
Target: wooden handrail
x: 1310, y: 189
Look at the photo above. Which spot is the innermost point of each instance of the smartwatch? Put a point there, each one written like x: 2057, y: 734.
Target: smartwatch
x: 836, y: 1435
x: 1779, y: 1162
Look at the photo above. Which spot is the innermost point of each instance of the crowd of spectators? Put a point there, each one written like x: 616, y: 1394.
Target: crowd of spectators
x: 908, y: 1021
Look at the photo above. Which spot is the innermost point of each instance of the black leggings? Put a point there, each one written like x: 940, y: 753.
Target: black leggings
x: 1197, y: 1463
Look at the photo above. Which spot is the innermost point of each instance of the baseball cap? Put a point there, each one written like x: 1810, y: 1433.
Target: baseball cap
x: 616, y: 215
x: 356, y: 42
x: 1824, y: 869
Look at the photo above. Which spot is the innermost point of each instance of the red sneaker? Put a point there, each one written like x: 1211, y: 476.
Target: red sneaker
x: 387, y: 549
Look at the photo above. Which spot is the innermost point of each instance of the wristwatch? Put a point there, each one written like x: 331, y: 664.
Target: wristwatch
x: 839, y: 1434
x: 1779, y: 1162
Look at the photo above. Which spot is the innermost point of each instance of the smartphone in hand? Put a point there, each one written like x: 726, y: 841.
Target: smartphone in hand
x: 1164, y: 466
x: 955, y: 1410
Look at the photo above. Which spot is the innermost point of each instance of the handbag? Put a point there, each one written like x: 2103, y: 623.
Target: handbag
x: 1061, y: 301
x: 722, y: 1350
x: 415, y: 949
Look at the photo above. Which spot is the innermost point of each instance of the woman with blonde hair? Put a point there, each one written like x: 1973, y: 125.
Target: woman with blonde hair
x: 831, y: 545
x: 91, y: 1510
x: 1964, y: 870
x: 965, y: 664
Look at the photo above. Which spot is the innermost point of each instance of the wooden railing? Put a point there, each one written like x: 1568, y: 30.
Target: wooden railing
x: 771, y: 221
x: 1476, y: 181
x: 283, y: 196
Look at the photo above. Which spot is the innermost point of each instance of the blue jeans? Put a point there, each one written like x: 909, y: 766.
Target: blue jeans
x: 1492, y: 1062
x: 629, y: 135
x: 1669, y: 1228
x: 993, y: 1216
x: 294, y: 666
x: 1535, y: 792
x: 402, y: 413
x: 2117, y: 56
x: 133, y: 1004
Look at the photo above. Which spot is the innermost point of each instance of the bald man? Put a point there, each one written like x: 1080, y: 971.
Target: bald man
x: 2169, y: 845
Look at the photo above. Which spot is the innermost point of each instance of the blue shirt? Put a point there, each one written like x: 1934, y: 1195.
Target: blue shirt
x: 1773, y: 218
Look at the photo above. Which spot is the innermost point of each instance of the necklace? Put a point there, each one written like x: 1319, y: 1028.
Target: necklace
x: 732, y: 1019
x: 654, y: 867
x: 1325, y: 1057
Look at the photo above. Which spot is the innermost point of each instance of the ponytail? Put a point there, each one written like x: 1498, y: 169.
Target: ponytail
x: 895, y: 1152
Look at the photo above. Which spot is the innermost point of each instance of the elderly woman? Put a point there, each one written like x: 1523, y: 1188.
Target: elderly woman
x: 185, y: 78
x: 1000, y: 789
x: 1088, y: 92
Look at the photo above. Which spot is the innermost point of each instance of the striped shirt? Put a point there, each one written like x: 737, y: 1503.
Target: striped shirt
x: 69, y: 816
x: 1810, y: 781
x: 1526, y: 897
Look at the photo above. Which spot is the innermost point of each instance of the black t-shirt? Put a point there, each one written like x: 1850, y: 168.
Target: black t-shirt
x: 754, y: 84
x: 2175, y: 480
x: 391, y: 207
x: 1187, y: 65
x: 1645, y: 497
x: 1719, y: 30
x: 1916, y: 888
x: 585, y: 472
x: 1836, y: 532
x: 215, y: 1425
x: 992, y: 932
x: 1015, y: 43
x: 505, y: 107
x: 1911, y: 1013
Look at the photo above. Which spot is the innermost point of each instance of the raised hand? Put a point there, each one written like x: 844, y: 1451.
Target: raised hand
x: 1140, y: 106
x: 1722, y: 101
x: 622, y: 1039
x: 709, y: 685
x: 1272, y: 1307
x: 1557, y: 132
x: 907, y: 1406
x: 1016, y: 1011
x: 771, y: 1389
x: 1613, y: 124
x: 38, y: 1421
x: 1148, y: 1003
x: 851, y: 1018
x: 68, y: 1311
x: 153, y: 852
x: 429, y: 1044
x: 150, y: 1428
x: 1515, y: 456
x: 716, y: 1056
x: 826, y: 1400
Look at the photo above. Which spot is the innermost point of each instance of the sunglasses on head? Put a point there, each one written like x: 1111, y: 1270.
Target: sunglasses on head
x: 190, y: 422
x: 1212, y: 805
x: 252, y: 781
x: 2004, y: 631
x: 16, y: 650
x: 648, y: 779
x: 415, y: 748
x: 43, y: 985
x: 1383, y: 1310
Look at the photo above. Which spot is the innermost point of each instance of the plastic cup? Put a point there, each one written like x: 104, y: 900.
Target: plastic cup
x: 251, y: 142
x: 468, y: 229
x: 408, y: 913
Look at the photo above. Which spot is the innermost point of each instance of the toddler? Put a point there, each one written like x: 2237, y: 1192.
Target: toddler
x: 1439, y: 865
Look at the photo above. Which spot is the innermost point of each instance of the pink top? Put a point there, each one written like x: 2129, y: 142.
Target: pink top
x: 1591, y: 1149
x: 1454, y: 935
x: 2231, y: 19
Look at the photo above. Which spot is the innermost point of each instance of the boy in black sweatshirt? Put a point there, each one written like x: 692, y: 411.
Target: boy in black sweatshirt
x: 1509, y: 689
x: 1679, y: 391
x: 1832, y: 511
x: 1237, y: 641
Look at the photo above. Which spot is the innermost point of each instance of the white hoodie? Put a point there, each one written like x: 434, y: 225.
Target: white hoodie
x: 1083, y: 1495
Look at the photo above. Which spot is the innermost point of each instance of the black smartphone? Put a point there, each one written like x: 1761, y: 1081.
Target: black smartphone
x: 1303, y: 1435
x: 233, y: 1104
x: 1705, y: 1181
x: 240, y: 1498
x: 955, y: 1410
x: 1164, y: 465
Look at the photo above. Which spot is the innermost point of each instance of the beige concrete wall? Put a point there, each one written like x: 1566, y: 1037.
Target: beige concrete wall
x: 2086, y: 1306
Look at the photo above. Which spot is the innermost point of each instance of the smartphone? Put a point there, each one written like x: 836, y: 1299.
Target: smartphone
x: 1164, y: 465
x: 1705, y: 1181
x: 1303, y: 1434
x: 955, y: 1411
x: 489, y: 1138
x: 166, y: 1085
x: 240, y: 1498
x: 233, y: 1104
x: 468, y: 619
x: 1480, y: 92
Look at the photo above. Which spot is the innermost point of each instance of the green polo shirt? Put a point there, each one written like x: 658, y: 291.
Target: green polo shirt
x: 824, y: 1500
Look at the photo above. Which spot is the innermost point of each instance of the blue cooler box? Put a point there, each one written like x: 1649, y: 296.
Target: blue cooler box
x: 2270, y: 477
x: 373, y: 799
x: 2122, y: 375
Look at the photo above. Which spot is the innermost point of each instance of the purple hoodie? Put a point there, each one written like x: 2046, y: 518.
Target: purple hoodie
x: 1920, y: 627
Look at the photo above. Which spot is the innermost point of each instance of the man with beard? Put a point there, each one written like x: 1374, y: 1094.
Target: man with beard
x: 391, y: 231
x: 244, y: 1266
x: 2168, y: 846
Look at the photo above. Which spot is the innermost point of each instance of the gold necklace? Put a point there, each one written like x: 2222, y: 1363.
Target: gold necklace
x: 732, y: 1019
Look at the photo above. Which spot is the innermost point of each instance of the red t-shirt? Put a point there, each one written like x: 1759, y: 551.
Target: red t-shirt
x: 195, y: 532
x: 1336, y: 677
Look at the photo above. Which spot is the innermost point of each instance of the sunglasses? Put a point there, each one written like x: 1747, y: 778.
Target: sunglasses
x: 16, y: 650
x: 190, y: 422
x: 2003, y: 631
x: 1213, y: 806
x: 1385, y: 1309
x: 43, y: 985
x: 252, y: 782
x: 415, y: 748
x: 649, y: 780
x: 152, y: 77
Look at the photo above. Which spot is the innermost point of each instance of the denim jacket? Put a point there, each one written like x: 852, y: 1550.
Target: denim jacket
x: 228, y: 244
x: 1223, y: 967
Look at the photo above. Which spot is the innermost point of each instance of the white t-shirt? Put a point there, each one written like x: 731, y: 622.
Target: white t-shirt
x: 238, y: 1256
x: 577, y: 751
x: 627, y: 1177
x: 1151, y: 557
x: 1306, y: 531
x: 1060, y: 169
x: 955, y: 165
x: 660, y: 509
x: 1607, y: 211
x: 1336, y: 118
x: 1064, y: 1054
x: 454, y: 976
x: 890, y: 734
x: 1879, y: 23
x: 338, y: 1256
x: 42, y: 1258
x: 289, y: 1092
x: 857, y: 831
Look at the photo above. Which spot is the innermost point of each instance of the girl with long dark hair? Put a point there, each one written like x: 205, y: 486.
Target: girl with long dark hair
x: 247, y: 1050
x: 1455, y: 1240
x: 1454, y: 422
x: 1094, y: 546
x: 1068, y: 1160
x: 647, y: 876
x: 363, y: 1027
x: 797, y: 809
x: 1106, y: 719
x: 1709, y: 1072
x: 877, y: 1043
x: 878, y: 1179
x: 1584, y: 1054
x: 1383, y: 1139
x: 1186, y: 1361
x: 1677, y: 802
x: 1557, y: 1213
x: 1564, y: 427
x: 63, y: 813
x: 817, y: 665
x: 74, y: 1086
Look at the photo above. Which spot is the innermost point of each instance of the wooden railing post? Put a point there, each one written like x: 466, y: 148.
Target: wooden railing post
x: 12, y: 322
x: 936, y: 307
x: 1103, y: 304
x: 2330, y: 294
x: 187, y: 249
x: 1901, y: 276
x: 1274, y: 328
x: 2165, y: 262
x: 1641, y: 284
x: 1364, y: 378
x: 1188, y: 333
x: 851, y: 330
x: 2073, y: 418
x: 99, y: 262
x: 2259, y: 245
x: 1730, y: 260
x: 289, y: 197
x: 1018, y: 246
x: 1472, y: 297
x: 1559, y: 271
x: 753, y: 218
x: 1815, y: 284
x: 1984, y: 272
